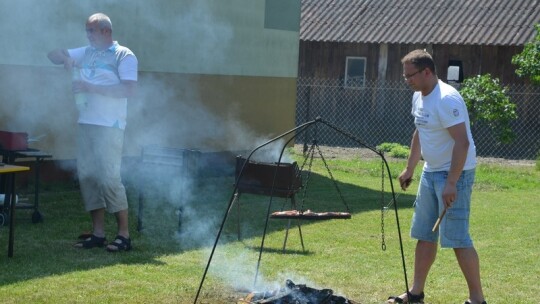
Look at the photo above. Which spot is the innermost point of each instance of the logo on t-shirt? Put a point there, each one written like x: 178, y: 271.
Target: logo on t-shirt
x: 456, y: 112
x: 421, y: 117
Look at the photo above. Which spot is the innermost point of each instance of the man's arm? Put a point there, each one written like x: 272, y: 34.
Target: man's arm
x: 61, y: 56
x: 459, y: 156
x: 414, y: 157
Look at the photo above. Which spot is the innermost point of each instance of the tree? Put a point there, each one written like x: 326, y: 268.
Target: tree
x: 528, y: 61
x: 488, y: 101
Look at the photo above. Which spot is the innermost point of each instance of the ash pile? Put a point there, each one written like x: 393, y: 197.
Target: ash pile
x: 296, y: 294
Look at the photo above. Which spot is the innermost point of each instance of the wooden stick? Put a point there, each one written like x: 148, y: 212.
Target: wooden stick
x: 438, y: 222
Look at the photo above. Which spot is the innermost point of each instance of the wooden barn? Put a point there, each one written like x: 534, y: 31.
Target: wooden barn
x: 358, y: 41
x: 350, y: 69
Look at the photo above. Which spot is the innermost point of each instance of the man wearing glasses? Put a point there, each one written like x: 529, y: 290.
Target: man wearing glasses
x: 443, y: 139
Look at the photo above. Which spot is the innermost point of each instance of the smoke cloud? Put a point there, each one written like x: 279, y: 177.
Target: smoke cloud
x: 166, y: 112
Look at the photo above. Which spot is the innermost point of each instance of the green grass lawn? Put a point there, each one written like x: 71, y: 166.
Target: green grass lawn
x: 166, y: 266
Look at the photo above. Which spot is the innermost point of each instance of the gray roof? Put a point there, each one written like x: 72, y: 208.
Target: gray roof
x: 466, y: 22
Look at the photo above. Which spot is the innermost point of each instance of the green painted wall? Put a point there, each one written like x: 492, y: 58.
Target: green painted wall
x: 213, y: 74
x: 232, y: 37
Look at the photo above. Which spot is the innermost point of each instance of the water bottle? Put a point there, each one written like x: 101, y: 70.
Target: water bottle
x: 80, y: 98
x: 3, y: 198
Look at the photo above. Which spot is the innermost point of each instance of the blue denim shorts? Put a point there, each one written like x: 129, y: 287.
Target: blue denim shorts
x: 454, y: 228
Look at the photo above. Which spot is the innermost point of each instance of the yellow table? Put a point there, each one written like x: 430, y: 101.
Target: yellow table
x: 9, y: 200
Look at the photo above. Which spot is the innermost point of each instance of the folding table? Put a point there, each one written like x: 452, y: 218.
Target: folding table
x: 9, y: 201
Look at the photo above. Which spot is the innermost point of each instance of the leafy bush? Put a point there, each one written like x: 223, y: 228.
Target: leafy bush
x: 528, y: 61
x: 400, y: 152
x: 487, y: 101
x: 387, y: 147
x: 394, y: 149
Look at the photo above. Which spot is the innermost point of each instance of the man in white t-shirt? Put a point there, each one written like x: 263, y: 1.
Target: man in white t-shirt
x: 105, y: 75
x: 443, y: 139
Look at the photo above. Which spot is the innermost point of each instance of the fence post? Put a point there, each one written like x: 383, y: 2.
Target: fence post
x: 306, y: 134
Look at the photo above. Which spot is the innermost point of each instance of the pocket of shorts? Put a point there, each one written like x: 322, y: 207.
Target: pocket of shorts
x: 457, y: 224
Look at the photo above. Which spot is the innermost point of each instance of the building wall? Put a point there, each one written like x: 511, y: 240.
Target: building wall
x: 212, y: 74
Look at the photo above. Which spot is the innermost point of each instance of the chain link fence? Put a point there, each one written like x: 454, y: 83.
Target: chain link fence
x: 379, y: 112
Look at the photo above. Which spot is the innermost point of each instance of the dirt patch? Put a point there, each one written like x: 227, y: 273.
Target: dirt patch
x: 340, y: 152
x: 350, y: 153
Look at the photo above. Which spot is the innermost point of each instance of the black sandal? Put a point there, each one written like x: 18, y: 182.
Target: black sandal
x: 91, y: 242
x: 84, y: 235
x: 411, y: 298
x: 120, y: 243
x: 469, y: 302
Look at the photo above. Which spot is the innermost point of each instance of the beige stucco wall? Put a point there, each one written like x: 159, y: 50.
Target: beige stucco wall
x: 213, y: 74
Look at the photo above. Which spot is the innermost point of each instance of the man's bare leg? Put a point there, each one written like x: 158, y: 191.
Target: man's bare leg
x: 98, y: 222
x: 470, y: 266
x: 122, y: 222
x: 424, y: 256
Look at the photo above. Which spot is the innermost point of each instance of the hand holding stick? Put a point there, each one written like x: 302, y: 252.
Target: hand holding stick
x: 405, y: 184
x: 438, y: 222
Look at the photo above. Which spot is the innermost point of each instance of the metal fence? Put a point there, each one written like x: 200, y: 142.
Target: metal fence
x: 379, y: 112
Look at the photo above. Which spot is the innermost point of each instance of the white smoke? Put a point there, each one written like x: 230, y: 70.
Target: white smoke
x: 167, y: 110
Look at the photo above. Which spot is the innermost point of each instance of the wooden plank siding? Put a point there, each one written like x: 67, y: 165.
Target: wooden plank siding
x: 327, y: 60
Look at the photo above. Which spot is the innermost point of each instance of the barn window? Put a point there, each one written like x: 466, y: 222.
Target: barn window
x: 355, y: 72
x: 455, y: 71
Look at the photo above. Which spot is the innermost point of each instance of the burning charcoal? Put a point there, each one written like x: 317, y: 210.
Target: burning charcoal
x: 296, y: 294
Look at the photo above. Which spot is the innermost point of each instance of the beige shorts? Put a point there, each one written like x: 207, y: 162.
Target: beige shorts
x: 99, y: 158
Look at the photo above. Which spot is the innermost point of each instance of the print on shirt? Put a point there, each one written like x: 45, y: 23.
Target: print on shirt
x: 421, y: 117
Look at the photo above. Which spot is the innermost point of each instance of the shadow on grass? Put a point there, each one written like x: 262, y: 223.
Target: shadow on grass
x: 280, y: 250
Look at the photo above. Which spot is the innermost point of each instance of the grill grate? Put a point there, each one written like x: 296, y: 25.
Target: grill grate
x: 258, y: 178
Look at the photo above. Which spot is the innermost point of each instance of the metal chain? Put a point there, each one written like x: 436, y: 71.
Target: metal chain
x: 383, y: 243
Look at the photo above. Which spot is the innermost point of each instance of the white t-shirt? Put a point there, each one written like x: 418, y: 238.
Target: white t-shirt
x: 105, y: 67
x: 433, y: 114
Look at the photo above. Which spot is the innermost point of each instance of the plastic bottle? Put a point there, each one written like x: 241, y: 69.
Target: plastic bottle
x: 80, y: 98
x: 3, y: 198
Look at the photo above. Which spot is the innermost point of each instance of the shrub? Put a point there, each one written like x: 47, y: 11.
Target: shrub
x: 528, y: 61
x: 488, y: 101
x: 400, y: 152
x: 394, y: 149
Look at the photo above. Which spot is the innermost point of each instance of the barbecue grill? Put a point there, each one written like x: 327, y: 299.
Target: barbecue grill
x: 280, y: 180
x: 269, y: 179
x: 161, y: 165
x: 296, y: 132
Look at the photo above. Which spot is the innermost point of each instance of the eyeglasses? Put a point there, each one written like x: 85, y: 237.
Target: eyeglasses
x: 407, y: 77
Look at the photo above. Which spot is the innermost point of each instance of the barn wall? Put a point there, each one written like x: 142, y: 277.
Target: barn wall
x: 327, y: 59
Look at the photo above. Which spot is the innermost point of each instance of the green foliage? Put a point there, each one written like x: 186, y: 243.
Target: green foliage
x: 394, y: 149
x: 487, y: 101
x: 387, y: 147
x: 400, y: 152
x: 528, y: 61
